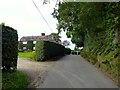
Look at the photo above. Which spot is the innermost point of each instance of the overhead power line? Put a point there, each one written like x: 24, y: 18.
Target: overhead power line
x: 42, y: 15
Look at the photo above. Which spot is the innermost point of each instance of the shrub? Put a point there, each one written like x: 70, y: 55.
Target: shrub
x: 67, y: 51
x: 74, y: 52
x: 9, y: 48
x: 0, y: 44
x: 20, y: 46
x: 107, y: 62
x: 46, y: 50
x: 39, y: 48
x: 29, y: 45
x: 78, y: 53
x: 33, y: 55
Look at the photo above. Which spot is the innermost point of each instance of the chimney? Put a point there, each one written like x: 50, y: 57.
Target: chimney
x: 42, y: 34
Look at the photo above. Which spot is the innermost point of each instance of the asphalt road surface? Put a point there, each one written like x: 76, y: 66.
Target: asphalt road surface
x: 75, y: 72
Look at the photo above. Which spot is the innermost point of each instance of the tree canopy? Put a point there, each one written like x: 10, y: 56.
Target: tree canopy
x: 96, y: 27
x: 78, y: 19
x: 56, y: 37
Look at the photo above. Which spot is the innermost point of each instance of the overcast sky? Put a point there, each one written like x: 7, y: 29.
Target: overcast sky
x: 23, y: 16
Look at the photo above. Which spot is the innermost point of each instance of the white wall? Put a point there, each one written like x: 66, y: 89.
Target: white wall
x: 34, y: 42
x: 24, y: 42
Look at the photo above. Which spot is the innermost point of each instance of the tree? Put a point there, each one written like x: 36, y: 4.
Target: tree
x: 56, y: 37
x: 78, y: 19
x: 29, y: 45
x: 46, y: 1
x: 96, y: 27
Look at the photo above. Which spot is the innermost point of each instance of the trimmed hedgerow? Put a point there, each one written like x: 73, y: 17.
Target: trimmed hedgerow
x: 9, y: 48
x: 46, y: 50
x: 39, y: 48
x: 67, y: 51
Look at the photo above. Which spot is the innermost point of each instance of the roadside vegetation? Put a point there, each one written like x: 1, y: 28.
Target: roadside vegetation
x: 29, y: 55
x: 11, y: 78
x: 14, y: 80
x: 45, y: 50
x: 24, y: 54
x: 95, y: 26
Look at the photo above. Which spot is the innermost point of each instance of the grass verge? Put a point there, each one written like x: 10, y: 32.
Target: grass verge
x: 14, y: 81
x: 107, y: 63
x: 24, y: 54
x: 29, y: 55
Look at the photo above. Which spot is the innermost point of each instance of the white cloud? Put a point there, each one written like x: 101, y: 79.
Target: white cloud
x: 64, y: 37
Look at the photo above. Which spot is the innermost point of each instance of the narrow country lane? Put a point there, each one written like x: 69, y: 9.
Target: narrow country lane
x: 70, y: 71
x: 75, y: 72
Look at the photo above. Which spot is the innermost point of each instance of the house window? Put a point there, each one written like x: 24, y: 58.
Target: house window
x: 33, y: 48
x: 34, y: 42
x: 24, y: 48
x: 24, y: 42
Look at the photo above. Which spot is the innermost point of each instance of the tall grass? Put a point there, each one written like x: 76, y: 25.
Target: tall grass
x: 14, y: 80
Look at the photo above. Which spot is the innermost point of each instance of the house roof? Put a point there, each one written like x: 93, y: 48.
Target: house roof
x: 34, y: 38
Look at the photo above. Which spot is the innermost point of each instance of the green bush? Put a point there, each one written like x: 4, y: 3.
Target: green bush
x: 46, y: 50
x: 9, y: 48
x: 29, y: 45
x: 108, y: 63
x: 33, y: 55
x: 73, y: 52
x: 39, y: 48
x: 67, y: 51
x: 20, y: 46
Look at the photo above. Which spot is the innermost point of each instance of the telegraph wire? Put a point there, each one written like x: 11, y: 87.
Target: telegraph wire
x: 42, y: 15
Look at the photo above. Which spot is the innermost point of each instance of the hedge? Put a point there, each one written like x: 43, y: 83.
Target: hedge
x: 67, y: 51
x: 46, y: 50
x: 9, y: 48
x: 0, y: 48
x: 73, y: 52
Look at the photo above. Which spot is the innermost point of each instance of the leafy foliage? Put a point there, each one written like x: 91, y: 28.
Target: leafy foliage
x: 46, y: 50
x: 67, y: 51
x: 39, y: 48
x: 33, y: 55
x: 9, y: 48
x: 20, y: 46
x: 96, y: 27
x: 78, y: 18
x: 56, y: 37
x: 29, y: 45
